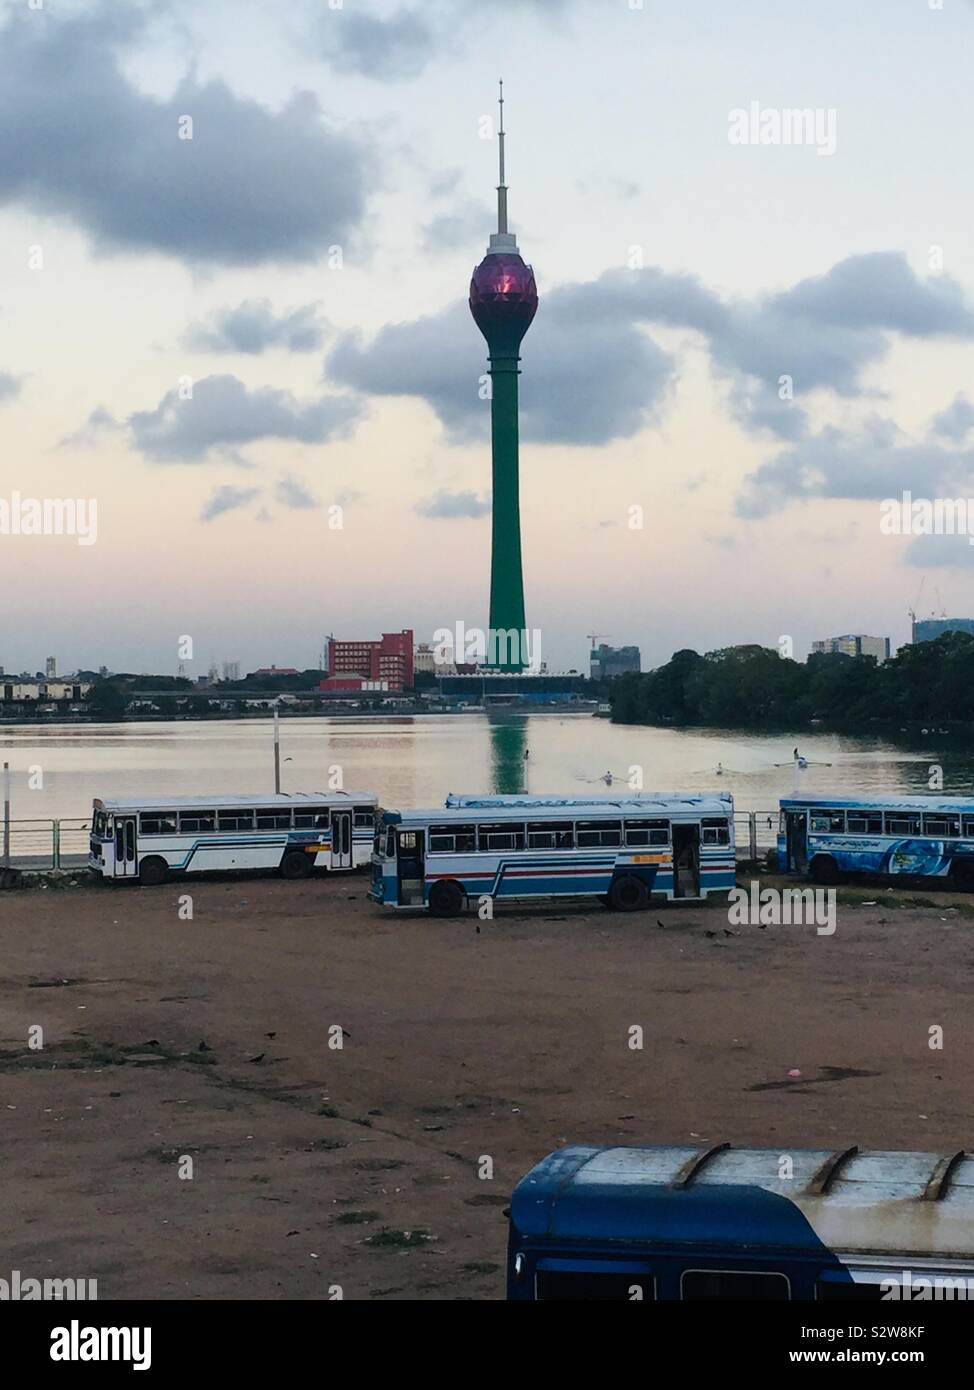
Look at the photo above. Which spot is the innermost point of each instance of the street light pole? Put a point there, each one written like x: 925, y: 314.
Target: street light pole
x: 6, y: 815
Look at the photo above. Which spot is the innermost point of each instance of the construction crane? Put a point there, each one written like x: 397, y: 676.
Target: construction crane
x: 939, y: 612
x: 912, y: 612
x: 593, y: 637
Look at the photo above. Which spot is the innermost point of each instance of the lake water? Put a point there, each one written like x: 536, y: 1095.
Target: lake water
x: 416, y: 761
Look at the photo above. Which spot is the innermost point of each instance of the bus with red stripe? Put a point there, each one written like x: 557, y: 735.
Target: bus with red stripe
x: 623, y: 851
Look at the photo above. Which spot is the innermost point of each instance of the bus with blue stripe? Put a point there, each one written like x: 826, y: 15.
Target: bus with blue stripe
x: 660, y: 1224
x: 152, y: 839
x: 917, y: 837
x: 620, y: 850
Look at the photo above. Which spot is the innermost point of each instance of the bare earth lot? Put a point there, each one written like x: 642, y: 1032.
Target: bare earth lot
x: 359, y: 1167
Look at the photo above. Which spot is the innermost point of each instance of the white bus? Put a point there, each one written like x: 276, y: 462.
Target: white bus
x: 151, y: 839
x: 621, y: 850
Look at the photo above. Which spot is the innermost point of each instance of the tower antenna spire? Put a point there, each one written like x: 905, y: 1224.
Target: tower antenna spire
x: 502, y: 186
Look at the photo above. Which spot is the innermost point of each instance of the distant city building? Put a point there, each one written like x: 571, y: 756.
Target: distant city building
x: 50, y: 668
x: 333, y: 685
x: 514, y: 687
x: 606, y: 662
x: 390, y: 659
x: 276, y: 671
x: 42, y: 692
x: 929, y: 629
x: 424, y: 660
x: 231, y: 670
x: 855, y: 644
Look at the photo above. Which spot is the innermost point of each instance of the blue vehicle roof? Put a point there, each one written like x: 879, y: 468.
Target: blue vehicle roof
x: 958, y: 804
x: 847, y: 1200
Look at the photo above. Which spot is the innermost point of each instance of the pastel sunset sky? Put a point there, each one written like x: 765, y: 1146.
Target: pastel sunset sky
x: 303, y: 261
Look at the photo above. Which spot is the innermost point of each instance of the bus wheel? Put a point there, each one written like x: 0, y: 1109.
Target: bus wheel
x: 152, y: 872
x: 296, y: 865
x: 446, y: 898
x: 628, y: 894
x: 823, y: 869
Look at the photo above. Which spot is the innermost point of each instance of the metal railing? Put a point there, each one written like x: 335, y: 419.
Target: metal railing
x: 755, y: 832
x: 46, y: 844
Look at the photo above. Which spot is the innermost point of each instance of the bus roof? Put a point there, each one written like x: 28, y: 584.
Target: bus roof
x: 555, y: 808
x: 959, y: 804
x: 225, y: 801
x: 871, y: 1202
x: 609, y: 799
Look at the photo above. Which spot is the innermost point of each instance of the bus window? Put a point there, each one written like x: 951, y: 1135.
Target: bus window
x: 235, y: 820
x: 941, y: 826
x: 592, y: 833
x: 390, y: 843
x: 865, y: 822
x: 897, y: 823
x: 363, y: 818
x: 157, y: 823
x: 312, y: 818
x: 452, y: 839
x: 732, y: 1283
x: 501, y: 836
x: 714, y: 832
x: 551, y: 834
x: 197, y: 822
x: 647, y: 832
x: 279, y: 819
x: 827, y: 822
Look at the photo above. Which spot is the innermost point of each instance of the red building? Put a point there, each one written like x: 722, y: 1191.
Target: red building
x: 390, y: 659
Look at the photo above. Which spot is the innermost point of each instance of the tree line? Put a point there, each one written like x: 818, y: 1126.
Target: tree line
x: 753, y: 687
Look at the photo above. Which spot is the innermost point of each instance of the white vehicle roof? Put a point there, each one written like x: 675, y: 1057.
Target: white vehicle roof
x: 519, y: 808
x: 225, y: 802
x: 608, y: 799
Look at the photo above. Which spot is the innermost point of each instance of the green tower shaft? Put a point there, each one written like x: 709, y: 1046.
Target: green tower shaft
x: 507, y: 624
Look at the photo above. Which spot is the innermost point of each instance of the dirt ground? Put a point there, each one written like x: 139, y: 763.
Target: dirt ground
x: 314, y: 1166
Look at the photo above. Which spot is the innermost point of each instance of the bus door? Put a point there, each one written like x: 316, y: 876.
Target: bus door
x: 796, y: 831
x: 125, y: 861
x: 341, y: 839
x: 409, y: 859
x: 686, y: 861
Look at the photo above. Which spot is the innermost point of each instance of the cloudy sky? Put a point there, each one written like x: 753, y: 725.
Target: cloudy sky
x: 235, y: 340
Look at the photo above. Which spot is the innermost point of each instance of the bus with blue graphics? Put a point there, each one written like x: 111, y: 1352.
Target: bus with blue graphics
x: 922, y: 837
x: 620, y: 850
x: 648, y: 1224
x: 152, y: 839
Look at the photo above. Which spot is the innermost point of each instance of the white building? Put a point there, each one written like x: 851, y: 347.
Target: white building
x: 855, y: 644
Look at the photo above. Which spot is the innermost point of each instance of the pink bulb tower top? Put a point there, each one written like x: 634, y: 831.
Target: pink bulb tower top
x: 503, y: 293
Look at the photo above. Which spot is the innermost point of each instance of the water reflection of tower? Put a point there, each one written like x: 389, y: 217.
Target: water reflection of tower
x: 508, y: 749
x: 503, y: 301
